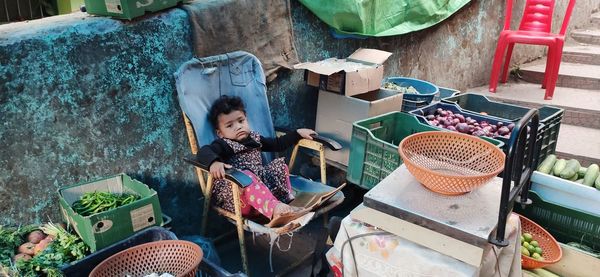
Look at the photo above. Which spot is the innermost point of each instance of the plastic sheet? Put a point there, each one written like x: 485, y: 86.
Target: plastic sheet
x: 382, y: 17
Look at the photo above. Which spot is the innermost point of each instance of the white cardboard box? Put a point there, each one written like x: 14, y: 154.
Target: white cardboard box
x: 359, y: 73
x: 336, y: 113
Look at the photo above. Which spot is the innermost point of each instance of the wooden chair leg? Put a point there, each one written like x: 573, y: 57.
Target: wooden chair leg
x: 207, y: 199
x: 293, y: 158
x: 323, y: 165
x: 240, y: 226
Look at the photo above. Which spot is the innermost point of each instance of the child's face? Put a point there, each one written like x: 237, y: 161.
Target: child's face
x: 233, y: 126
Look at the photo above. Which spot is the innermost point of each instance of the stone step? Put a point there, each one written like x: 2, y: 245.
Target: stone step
x: 596, y: 19
x: 580, y: 143
x: 582, y: 107
x: 584, y: 54
x: 587, y: 36
x: 572, y: 75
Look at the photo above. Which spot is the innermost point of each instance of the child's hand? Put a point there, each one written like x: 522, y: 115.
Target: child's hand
x: 217, y: 169
x: 306, y: 133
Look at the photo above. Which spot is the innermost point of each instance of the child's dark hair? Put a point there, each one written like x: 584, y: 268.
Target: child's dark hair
x: 225, y: 105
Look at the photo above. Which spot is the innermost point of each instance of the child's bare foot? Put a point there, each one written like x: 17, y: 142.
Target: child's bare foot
x: 283, y: 213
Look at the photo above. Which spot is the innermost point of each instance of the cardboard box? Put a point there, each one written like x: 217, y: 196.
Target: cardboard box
x: 105, y: 228
x: 336, y: 114
x: 359, y: 73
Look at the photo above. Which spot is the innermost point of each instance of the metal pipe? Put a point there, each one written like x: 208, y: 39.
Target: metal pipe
x: 30, y: 10
x: 6, y: 10
x: 19, y: 10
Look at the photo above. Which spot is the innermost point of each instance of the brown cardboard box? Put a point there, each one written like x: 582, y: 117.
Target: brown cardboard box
x: 336, y: 113
x: 359, y: 73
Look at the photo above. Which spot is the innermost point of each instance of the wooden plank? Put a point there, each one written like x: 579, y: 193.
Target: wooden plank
x: 575, y: 263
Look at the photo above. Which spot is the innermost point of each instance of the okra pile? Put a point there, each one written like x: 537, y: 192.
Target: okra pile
x: 99, y: 201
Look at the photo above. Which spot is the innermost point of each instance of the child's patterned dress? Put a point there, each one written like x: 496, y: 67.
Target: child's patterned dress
x: 275, y: 175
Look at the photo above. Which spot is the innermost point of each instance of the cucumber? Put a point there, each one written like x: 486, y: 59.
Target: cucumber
x: 574, y: 178
x: 527, y: 273
x: 559, y: 166
x: 582, y: 171
x: 597, y: 183
x: 591, y: 175
x: 579, y: 181
x: 570, y: 170
x: 547, y: 164
x: 543, y: 273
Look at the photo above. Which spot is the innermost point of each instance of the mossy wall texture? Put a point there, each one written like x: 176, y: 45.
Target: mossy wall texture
x: 83, y: 97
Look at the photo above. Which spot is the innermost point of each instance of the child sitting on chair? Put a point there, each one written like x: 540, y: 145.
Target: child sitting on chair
x: 240, y: 147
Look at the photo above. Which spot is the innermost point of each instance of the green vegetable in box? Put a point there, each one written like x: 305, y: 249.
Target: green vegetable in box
x: 570, y: 170
x: 559, y: 166
x: 591, y: 175
x: 582, y: 171
x: 99, y: 201
x: 547, y: 164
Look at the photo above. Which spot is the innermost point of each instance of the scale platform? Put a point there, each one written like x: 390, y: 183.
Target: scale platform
x: 471, y: 218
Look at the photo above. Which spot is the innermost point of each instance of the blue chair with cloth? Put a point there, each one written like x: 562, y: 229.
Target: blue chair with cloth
x: 199, y: 83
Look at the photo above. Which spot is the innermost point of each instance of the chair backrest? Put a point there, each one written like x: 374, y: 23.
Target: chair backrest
x: 537, y: 16
x: 201, y: 81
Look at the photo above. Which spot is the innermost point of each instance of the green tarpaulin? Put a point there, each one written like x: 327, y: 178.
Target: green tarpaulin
x: 382, y: 17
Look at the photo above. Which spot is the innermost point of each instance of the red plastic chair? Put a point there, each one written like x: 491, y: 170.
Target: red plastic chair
x: 535, y: 28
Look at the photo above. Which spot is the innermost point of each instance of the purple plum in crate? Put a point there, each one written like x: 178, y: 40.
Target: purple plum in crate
x: 463, y: 128
x: 503, y: 131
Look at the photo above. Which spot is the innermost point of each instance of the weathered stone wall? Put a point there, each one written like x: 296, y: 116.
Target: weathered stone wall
x: 83, y: 97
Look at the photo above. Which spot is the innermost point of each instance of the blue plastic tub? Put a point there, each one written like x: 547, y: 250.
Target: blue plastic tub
x: 447, y: 92
x: 426, y: 92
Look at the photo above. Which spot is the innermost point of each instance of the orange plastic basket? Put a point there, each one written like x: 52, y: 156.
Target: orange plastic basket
x: 450, y: 163
x: 176, y: 257
x: 552, y: 251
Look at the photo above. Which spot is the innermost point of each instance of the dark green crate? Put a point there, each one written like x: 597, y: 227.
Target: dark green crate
x: 127, y: 9
x: 565, y: 224
x: 550, y: 117
x: 374, y: 146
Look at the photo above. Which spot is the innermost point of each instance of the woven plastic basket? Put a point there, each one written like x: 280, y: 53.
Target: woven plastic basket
x: 450, y: 163
x: 551, y: 250
x: 176, y: 257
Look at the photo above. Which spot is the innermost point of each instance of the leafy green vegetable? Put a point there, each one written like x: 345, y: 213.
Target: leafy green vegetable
x: 10, y: 239
x: 65, y: 248
x: 399, y: 88
x: 99, y: 201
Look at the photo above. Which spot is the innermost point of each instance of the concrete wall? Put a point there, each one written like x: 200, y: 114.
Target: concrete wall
x: 83, y: 97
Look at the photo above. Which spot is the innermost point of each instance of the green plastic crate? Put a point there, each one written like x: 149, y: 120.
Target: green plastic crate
x: 374, y: 146
x: 550, y: 117
x: 127, y: 9
x: 103, y: 229
x: 565, y: 224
